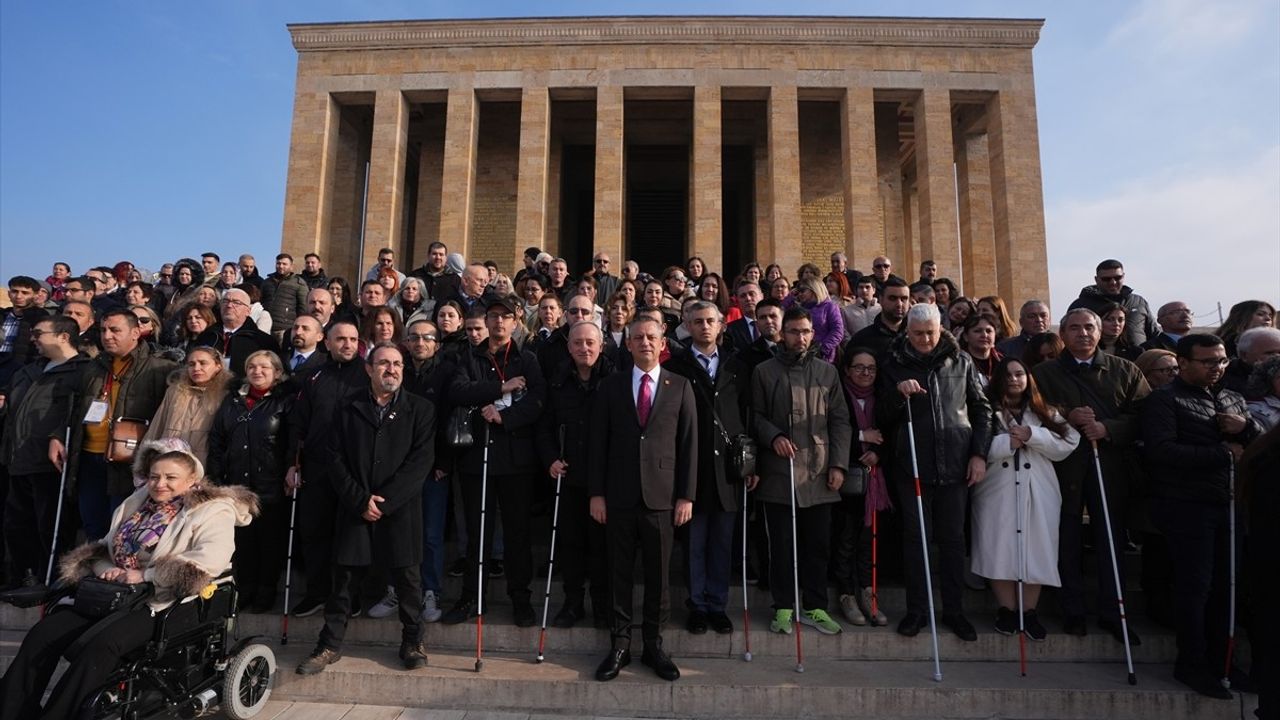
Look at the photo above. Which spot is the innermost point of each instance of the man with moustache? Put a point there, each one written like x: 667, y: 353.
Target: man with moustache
x: 379, y: 446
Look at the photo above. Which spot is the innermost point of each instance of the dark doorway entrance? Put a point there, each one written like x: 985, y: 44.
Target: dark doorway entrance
x: 657, y: 207
x: 577, y: 205
x: 739, y: 210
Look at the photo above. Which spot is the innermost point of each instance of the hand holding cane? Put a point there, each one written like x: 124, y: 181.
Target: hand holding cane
x: 551, y: 564
x: 1115, y: 569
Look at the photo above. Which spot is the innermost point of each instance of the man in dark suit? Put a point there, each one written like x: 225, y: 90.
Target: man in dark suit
x: 238, y: 337
x: 305, y: 352
x: 642, y: 483
x: 714, y: 373
x: 742, y: 332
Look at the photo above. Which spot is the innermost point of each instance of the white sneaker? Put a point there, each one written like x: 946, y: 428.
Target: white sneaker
x: 431, y: 611
x: 387, y: 605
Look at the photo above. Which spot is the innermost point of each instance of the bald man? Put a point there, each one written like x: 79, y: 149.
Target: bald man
x: 237, y: 337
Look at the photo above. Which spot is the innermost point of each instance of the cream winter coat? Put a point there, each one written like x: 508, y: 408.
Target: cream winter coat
x: 196, y: 547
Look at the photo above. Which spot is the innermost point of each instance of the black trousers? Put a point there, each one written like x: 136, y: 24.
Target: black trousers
x: 317, y: 506
x: 29, y: 514
x: 29, y: 674
x: 515, y: 495
x: 944, y: 514
x: 581, y: 550
x: 650, y: 533
x: 851, y: 560
x: 346, y: 580
x: 1076, y: 495
x: 261, y: 547
x: 1199, y: 537
x: 813, y: 544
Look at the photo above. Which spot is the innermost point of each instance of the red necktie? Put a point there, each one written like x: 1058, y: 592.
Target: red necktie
x: 644, y: 403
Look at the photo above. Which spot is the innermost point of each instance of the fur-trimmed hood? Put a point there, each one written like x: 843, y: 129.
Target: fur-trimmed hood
x: 191, y: 553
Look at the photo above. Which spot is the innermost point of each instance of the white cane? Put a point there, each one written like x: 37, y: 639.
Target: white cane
x: 1231, y: 599
x: 924, y: 544
x: 57, y: 514
x: 1022, y: 562
x: 484, y: 492
x: 1115, y: 569
x: 746, y: 615
x: 795, y: 568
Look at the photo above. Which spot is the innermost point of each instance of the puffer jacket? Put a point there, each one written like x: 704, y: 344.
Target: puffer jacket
x: 1186, y: 452
x: 187, y: 410
x: 1139, y: 322
x: 250, y: 447
x: 799, y: 397
x: 952, y: 421
x: 285, y: 297
x: 37, y: 406
x: 184, y: 295
x: 195, y: 548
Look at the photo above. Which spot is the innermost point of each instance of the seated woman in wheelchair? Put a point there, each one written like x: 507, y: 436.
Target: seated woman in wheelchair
x: 174, y: 532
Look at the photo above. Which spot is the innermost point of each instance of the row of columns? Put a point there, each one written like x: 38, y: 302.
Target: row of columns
x: 990, y: 200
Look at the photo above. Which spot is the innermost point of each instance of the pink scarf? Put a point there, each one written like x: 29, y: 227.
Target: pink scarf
x: 865, y: 414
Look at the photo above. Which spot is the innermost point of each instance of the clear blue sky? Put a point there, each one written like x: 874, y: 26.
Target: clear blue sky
x: 146, y: 130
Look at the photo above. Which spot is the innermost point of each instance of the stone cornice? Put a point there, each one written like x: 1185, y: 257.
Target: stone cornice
x: 668, y: 30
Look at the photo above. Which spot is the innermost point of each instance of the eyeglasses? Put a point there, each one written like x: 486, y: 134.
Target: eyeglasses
x: 38, y: 333
x: 144, y: 320
x: 1166, y: 370
x: 385, y: 364
x: 579, y: 311
x: 420, y: 338
x: 862, y: 369
x: 233, y: 302
x: 1211, y: 363
x: 600, y: 261
x: 166, y: 276
x: 879, y: 266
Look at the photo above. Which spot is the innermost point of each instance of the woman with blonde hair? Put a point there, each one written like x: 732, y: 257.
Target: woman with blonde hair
x: 194, y: 394
x: 828, y: 325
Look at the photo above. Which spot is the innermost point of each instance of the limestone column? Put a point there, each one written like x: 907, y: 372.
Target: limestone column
x: 862, y: 212
x: 1017, y: 197
x: 384, y: 211
x: 705, y: 179
x: 309, y: 191
x: 977, y: 241
x: 935, y: 181
x: 784, y: 177
x: 531, y: 182
x: 461, y: 131
x: 610, y: 174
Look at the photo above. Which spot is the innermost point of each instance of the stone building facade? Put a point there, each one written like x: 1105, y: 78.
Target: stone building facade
x: 733, y: 138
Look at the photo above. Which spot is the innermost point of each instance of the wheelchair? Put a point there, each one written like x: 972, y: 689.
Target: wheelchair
x: 193, y: 665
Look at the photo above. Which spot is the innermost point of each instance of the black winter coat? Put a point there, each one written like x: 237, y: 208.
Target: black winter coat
x: 391, y: 458
x: 716, y: 479
x: 952, y: 422
x: 37, y: 406
x: 320, y: 398
x: 1186, y: 452
x: 478, y: 383
x: 250, y: 447
x: 431, y: 382
x: 569, y: 406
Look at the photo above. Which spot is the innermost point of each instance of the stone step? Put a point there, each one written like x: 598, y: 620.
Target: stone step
x: 764, y: 688
x: 855, y: 643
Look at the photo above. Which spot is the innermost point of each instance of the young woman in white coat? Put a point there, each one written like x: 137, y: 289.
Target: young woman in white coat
x: 1029, y: 437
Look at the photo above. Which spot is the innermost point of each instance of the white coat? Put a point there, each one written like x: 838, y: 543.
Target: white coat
x: 995, y: 502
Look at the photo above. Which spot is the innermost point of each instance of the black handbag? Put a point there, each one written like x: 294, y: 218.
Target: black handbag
x: 98, y: 598
x: 855, y: 481
x: 458, y: 431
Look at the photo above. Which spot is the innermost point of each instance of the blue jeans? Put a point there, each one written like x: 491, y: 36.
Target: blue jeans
x: 95, y: 505
x: 435, y: 500
x: 709, y: 547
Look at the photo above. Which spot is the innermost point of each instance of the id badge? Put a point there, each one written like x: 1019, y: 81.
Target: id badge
x: 97, y: 412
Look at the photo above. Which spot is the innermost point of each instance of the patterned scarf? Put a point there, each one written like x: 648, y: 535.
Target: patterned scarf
x: 865, y: 414
x: 142, y: 531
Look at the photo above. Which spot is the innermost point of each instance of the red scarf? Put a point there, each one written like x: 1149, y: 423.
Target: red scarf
x: 254, y: 396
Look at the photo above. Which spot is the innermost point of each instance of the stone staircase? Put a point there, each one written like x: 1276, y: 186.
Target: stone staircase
x: 863, y: 672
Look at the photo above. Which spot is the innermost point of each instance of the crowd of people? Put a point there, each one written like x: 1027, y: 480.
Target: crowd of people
x: 660, y: 408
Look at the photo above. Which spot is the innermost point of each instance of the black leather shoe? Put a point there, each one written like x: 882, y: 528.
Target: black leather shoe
x: 720, y: 623
x: 613, y: 664
x: 1202, y: 681
x: 1113, y: 627
x: 522, y: 613
x: 697, y: 622
x: 911, y: 624
x: 461, y: 612
x: 1075, y: 625
x: 413, y: 655
x: 961, y: 626
x: 655, y: 657
x: 569, y: 615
